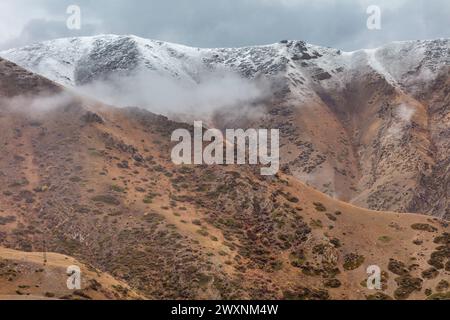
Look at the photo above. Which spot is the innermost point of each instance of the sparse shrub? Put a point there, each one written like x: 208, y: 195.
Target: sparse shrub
x: 303, y: 293
x: 397, y: 267
x: 353, y: 261
x: 384, y: 239
x: 430, y: 273
x: 440, y: 296
x: 335, y: 242
x: 203, y: 232
x: 117, y: 189
x: 423, y: 227
x: 379, y: 296
x: 332, y: 283
x: 406, y: 286
x: 439, y: 256
x: 276, y: 265
x: 443, y: 239
x: 443, y: 285
x: 320, y: 207
x: 7, y: 220
x: 292, y: 199
x: 316, y: 224
x: 108, y: 199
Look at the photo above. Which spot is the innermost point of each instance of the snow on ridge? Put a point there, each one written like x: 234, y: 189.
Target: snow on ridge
x: 297, y: 61
x: 376, y: 65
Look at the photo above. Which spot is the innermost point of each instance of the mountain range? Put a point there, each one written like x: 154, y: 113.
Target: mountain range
x: 364, y: 181
x: 369, y: 127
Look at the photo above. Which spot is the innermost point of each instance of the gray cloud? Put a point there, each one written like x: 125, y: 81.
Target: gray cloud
x: 215, y: 90
x: 228, y: 23
x: 40, y: 30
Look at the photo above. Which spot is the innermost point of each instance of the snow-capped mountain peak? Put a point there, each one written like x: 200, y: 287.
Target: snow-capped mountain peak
x: 80, y: 61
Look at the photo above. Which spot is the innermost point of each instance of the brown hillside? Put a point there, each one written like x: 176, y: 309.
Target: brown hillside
x: 96, y: 183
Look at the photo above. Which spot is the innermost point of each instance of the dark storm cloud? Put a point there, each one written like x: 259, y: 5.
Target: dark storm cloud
x: 225, y: 23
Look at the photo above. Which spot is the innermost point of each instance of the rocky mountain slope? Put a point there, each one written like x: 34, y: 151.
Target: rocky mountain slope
x: 369, y: 127
x: 96, y: 183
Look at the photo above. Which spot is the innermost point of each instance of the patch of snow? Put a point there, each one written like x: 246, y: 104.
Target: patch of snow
x: 376, y: 65
x: 85, y: 59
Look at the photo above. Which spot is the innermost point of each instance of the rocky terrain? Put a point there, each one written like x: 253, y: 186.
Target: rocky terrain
x: 87, y: 181
x: 369, y: 127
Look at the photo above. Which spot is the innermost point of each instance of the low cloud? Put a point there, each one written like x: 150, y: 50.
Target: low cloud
x: 214, y: 91
x: 405, y: 113
x: 403, y: 117
x: 35, y: 105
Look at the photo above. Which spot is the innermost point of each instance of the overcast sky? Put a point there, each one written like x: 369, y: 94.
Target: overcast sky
x: 228, y: 23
